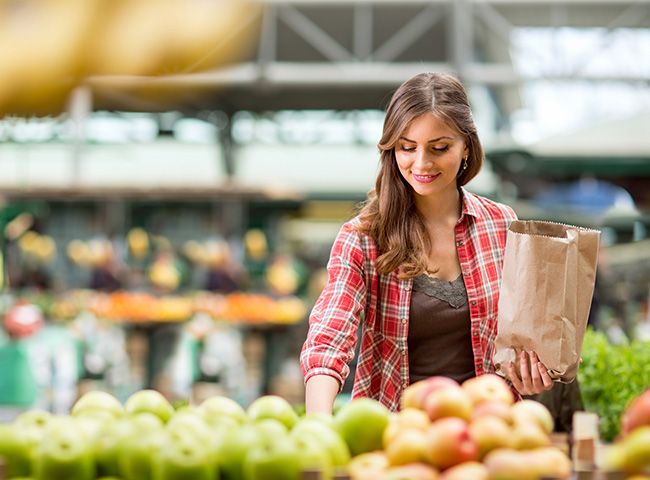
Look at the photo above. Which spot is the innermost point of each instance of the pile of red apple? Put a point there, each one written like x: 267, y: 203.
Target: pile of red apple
x: 473, y: 431
x: 630, y: 453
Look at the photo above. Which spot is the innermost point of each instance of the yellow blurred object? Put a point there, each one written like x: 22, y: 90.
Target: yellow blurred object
x: 138, y: 242
x: 255, y: 244
x: 100, y: 252
x: 79, y: 253
x: 217, y: 253
x: 19, y: 225
x: 51, y: 46
x: 282, y: 277
x: 28, y: 241
x: 164, y: 275
x: 45, y: 249
x: 194, y: 251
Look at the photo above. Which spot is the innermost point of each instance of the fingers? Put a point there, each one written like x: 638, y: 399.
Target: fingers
x: 534, y: 375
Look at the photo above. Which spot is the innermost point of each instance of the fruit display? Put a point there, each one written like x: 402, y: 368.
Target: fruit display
x: 145, y: 438
x: 630, y: 453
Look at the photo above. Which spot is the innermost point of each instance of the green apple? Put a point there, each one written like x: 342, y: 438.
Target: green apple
x: 33, y: 423
x: 232, y: 449
x: 191, y: 421
x: 368, y: 465
x: 150, y: 401
x: 15, y: 449
x: 139, y: 453
x: 97, y: 400
x: 217, y: 407
x: 64, y: 452
x: 272, y: 406
x: 361, y: 423
x: 184, y: 455
x: 145, y: 421
x: 278, y: 460
x: 108, y: 444
x: 327, y: 435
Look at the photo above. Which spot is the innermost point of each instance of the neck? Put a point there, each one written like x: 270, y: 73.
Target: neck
x: 445, y: 207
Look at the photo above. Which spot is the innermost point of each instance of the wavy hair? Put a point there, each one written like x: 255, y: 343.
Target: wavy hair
x: 389, y: 215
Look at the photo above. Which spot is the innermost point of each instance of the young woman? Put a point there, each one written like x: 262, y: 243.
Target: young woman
x: 419, y: 268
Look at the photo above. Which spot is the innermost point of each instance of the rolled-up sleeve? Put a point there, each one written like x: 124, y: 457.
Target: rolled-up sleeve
x: 334, y: 319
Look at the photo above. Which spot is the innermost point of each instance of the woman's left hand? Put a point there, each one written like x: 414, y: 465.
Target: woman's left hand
x: 534, y: 376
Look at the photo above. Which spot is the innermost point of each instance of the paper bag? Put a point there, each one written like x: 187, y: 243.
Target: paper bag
x: 549, y: 272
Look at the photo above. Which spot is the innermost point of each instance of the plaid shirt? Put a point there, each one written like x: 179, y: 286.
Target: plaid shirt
x: 355, y: 290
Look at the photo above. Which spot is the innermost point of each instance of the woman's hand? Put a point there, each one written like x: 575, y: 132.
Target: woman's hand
x: 534, y: 376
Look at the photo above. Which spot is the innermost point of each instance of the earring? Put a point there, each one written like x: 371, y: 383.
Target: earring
x: 465, y: 164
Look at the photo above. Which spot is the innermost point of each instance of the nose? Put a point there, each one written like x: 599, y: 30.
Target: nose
x: 421, y: 159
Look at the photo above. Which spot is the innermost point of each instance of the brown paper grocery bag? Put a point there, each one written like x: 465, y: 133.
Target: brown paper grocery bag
x: 549, y: 271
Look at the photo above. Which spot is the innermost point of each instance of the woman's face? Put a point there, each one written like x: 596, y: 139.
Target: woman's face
x: 429, y: 155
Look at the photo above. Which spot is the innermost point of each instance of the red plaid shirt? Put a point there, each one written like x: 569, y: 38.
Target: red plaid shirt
x: 354, y: 289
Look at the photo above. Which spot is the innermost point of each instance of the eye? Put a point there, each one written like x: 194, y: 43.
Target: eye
x: 404, y: 148
x: 441, y: 149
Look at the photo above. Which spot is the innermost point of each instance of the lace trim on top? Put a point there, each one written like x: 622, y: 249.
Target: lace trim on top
x: 453, y: 292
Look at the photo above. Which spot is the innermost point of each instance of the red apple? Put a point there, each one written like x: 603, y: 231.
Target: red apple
x: 273, y: 406
x: 410, y: 471
x: 466, y: 471
x: 637, y: 413
x: 528, y: 434
x: 361, y: 423
x: 449, y: 443
x: 508, y: 464
x: 408, y: 446
x: 368, y: 466
x: 492, y: 408
x: 413, y: 396
x: 532, y: 410
x: 407, y: 418
x: 490, y: 432
x: 549, y: 462
x: 488, y: 387
x: 448, y: 401
x: 636, y: 447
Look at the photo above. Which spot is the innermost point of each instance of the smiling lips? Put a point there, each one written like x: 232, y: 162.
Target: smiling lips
x: 425, y: 178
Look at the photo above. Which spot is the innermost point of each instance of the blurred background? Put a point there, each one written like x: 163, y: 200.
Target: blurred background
x: 173, y: 172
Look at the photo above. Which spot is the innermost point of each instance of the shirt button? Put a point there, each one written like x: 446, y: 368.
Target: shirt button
x: 480, y: 366
x: 404, y: 385
x: 467, y: 274
x: 407, y: 288
x: 404, y: 320
x: 461, y: 243
x: 403, y: 352
x: 475, y: 333
x: 473, y: 302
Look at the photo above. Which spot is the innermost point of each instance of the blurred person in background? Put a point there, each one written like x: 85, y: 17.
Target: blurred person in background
x: 421, y: 263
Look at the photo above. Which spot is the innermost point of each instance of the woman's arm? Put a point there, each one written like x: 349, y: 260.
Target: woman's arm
x: 320, y: 392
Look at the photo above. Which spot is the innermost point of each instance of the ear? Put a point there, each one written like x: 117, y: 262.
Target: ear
x: 466, y: 150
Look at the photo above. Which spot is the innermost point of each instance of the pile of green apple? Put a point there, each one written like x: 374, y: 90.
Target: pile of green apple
x: 630, y: 453
x: 146, y: 439
x: 473, y: 431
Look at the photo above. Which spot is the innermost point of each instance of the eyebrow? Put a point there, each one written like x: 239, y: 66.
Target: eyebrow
x: 430, y: 141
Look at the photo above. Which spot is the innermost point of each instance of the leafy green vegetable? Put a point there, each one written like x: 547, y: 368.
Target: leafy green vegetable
x: 610, y: 377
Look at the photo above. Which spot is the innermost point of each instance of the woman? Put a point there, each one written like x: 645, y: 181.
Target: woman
x: 421, y: 263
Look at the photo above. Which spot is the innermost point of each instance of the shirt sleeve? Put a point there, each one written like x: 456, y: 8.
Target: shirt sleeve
x: 334, y: 320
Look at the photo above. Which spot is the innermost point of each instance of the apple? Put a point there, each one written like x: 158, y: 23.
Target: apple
x: 108, y: 445
x: 527, y: 410
x: 636, y: 446
x: 413, y: 396
x: 322, y: 417
x: 528, y: 434
x: 191, y: 421
x: 407, y: 446
x: 492, y: 408
x: 490, y: 432
x: 150, y: 401
x: 637, y: 413
x: 64, y: 453
x: 449, y: 443
x: 368, y: 466
x: 466, y: 471
x: 139, y: 454
x: 361, y: 423
x: 449, y: 401
x: 327, y: 435
x: 508, y: 464
x: 313, y: 456
x: 406, y: 418
x: 488, y: 387
x: 231, y: 451
x: 549, y: 462
x: 220, y: 406
x: 97, y: 400
x: 411, y: 471
x: 183, y: 455
x: 273, y: 406
x: 276, y: 460
x: 15, y: 450
x: 33, y: 424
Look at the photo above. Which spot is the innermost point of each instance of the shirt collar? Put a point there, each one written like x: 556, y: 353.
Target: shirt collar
x: 468, y: 204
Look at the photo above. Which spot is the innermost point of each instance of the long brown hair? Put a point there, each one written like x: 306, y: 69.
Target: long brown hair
x: 389, y: 215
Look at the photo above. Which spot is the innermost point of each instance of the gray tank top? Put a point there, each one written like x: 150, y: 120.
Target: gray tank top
x: 439, y: 339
